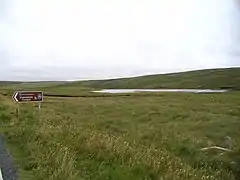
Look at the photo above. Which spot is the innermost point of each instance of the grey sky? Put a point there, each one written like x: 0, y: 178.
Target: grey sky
x: 74, y: 39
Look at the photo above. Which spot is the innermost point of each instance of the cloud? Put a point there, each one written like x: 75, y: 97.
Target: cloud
x: 45, y: 38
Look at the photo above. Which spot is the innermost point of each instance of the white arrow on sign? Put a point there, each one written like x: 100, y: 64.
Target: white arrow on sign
x: 15, y: 96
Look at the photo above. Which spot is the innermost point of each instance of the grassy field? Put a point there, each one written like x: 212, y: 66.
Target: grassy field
x: 211, y: 78
x: 146, y: 136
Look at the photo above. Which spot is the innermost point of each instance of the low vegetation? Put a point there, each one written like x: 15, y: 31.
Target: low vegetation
x: 204, y: 79
x: 155, y: 137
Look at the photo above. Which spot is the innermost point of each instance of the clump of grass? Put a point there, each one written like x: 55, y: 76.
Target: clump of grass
x: 52, y: 160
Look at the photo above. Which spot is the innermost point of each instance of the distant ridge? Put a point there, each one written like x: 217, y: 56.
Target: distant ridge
x: 225, y: 78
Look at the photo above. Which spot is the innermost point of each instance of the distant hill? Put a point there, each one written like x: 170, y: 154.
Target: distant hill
x: 17, y: 85
x: 228, y: 78
x: 9, y: 82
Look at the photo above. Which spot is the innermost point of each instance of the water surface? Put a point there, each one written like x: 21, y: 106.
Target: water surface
x: 113, y: 91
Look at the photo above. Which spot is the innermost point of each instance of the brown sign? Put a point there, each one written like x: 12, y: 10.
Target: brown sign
x: 28, y: 96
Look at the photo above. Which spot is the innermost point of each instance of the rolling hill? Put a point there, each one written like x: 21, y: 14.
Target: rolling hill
x: 228, y: 78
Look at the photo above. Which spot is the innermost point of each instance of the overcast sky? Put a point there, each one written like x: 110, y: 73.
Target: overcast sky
x: 93, y: 39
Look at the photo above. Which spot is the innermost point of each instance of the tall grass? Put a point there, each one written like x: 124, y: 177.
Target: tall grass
x: 155, y: 138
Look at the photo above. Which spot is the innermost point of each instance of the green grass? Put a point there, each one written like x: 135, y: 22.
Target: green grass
x: 214, y: 79
x: 155, y: 136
